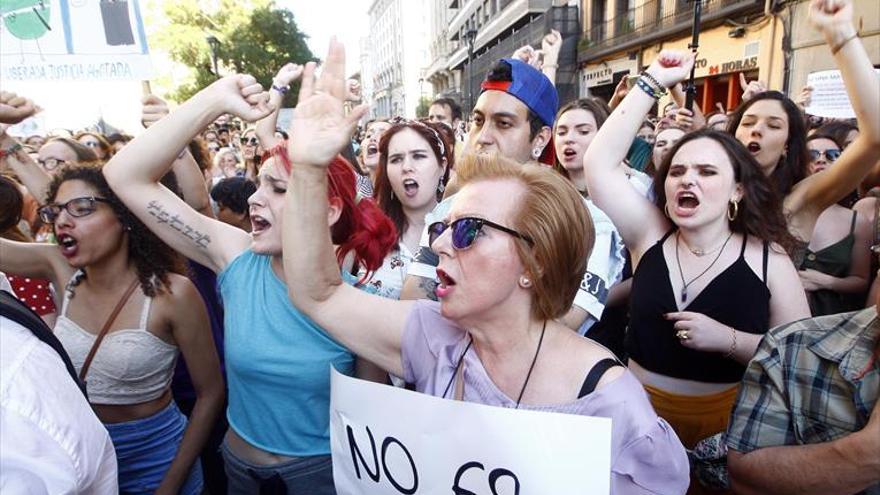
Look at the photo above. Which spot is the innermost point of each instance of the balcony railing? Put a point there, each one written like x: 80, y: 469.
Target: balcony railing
x: 652, y: 20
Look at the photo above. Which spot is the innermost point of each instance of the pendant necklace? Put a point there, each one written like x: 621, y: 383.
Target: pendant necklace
x: 686, y: 284
x: 528, y: 375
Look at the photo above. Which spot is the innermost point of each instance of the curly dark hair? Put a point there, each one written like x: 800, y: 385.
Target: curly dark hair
x: 760, y: 209
x: 153, y: 259
x: 794, y: 166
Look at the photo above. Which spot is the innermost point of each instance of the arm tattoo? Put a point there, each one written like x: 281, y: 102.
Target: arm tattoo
x: 428, y: 286
x: 163, y: 217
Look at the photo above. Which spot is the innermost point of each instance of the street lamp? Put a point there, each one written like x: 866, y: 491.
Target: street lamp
x: 214, y: 43
x: 469, y: 38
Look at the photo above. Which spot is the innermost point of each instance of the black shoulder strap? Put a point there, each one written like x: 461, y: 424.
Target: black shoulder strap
x: 595, y: 375
x: 15, y: 310
x: 852, y: 225
x: 766, y: 257
x: 742, y: 251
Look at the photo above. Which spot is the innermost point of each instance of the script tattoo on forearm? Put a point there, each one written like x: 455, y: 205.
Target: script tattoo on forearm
x: 163, y: 217
x: 428, y: 287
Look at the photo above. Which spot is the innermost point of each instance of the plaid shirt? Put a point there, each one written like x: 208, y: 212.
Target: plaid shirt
x: 811, y: 381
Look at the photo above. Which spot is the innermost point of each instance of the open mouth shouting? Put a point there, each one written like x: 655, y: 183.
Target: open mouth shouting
x: 372, y: 149
x: 410, y: 188
x: 686, y: 203
x: 753, y: 147
x: 446, y: 284
x: 569, y: 154
x: 68, y: 244
x: 259, y: 224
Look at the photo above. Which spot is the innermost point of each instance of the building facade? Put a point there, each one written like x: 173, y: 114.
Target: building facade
x: 466, y: 37
x: 768, y: 40
x: 808, y: 52
x: 394, y: 56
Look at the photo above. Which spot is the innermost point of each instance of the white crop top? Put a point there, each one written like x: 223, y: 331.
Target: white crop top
x: 131, y: 366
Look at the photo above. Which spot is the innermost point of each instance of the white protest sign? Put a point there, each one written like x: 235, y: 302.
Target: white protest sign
x: 391, y: 441
x: 73, y: 40
x: 829, y: 98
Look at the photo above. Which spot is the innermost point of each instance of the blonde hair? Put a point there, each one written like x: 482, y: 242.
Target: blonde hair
x: 553, y: 215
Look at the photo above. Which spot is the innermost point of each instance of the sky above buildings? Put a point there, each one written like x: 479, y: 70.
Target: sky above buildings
x: 322, y: 19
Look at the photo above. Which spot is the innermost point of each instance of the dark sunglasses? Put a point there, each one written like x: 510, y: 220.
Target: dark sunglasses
x: 251, y: 141
x: 830, y: 155
x: 465, y: 230
x: 76, y: 207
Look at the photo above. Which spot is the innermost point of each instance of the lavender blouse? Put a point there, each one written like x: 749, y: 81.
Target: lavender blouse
x: 646, y: 455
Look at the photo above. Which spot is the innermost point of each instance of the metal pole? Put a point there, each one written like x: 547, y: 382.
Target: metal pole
x: 691, y: 89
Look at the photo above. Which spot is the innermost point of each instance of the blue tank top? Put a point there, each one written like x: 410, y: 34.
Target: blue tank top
x: 277, y: 363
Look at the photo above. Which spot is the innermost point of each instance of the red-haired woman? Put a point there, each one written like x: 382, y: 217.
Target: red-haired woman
x: 277, y: 360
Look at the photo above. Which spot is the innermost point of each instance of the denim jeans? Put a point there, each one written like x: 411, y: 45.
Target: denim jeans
x: 300, y: 476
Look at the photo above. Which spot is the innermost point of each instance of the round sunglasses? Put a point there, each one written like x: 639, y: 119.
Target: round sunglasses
x: 830, y: 155
x: 76, y: 207
x: 465, y: 230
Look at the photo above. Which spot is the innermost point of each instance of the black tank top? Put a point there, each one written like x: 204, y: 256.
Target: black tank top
x: 736, y: 297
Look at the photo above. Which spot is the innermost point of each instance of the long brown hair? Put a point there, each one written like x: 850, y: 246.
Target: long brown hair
x: 435, y: 135
x: 760, y: 210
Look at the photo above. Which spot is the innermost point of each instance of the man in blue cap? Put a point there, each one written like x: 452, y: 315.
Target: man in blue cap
x: 514, y: 117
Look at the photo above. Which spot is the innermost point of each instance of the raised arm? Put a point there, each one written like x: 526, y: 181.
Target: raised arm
x: 134, y: 172
x: 266, y: 126
x: 35, y: 260
x: 14, y: 109
x: 319, y: 130
x: 640, y: 223
x: 29, y: 172
x: 834, y: 18
x: 189, y: 178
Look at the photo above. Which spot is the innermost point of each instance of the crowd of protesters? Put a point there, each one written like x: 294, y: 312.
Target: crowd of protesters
x: 707, y: 281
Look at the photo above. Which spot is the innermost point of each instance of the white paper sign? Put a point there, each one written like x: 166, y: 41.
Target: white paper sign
x: 391, y: 441
x: 73, y: 40
x: 829, y: 98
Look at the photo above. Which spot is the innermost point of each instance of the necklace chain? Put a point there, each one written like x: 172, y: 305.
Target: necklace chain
x: 686, y: 284
x: 528, y: 375
x: 703, y: 252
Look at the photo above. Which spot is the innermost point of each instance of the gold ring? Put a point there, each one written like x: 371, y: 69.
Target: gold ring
x: 682, y: 334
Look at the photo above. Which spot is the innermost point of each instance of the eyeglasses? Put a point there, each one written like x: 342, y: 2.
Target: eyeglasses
x: 830, y: 155
x: 465, y: 230
x: 76, y: 207
x: 249, y: 141
x: 51, y: 163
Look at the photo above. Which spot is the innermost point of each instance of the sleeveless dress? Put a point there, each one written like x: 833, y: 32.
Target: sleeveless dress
x: 834, y: 260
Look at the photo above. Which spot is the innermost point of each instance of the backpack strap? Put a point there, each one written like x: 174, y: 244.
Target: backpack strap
x: 15, y: 310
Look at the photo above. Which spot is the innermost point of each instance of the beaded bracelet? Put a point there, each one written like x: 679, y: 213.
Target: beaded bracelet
x: 645, y: 86
x: 281, y: 89
x: 653, y: 80
x: 10, y: 150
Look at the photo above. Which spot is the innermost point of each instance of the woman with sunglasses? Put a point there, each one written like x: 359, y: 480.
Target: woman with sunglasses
x: 772, y: 127
x: 836, y: 268
x: 118, y: 278
x: 97, y: 143
x: 415, y: 160
x: 277, y: 359
x: 512, y: 251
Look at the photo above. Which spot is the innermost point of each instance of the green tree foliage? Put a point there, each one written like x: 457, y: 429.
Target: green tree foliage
x: 256, y: 38
x: 423, y: 108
